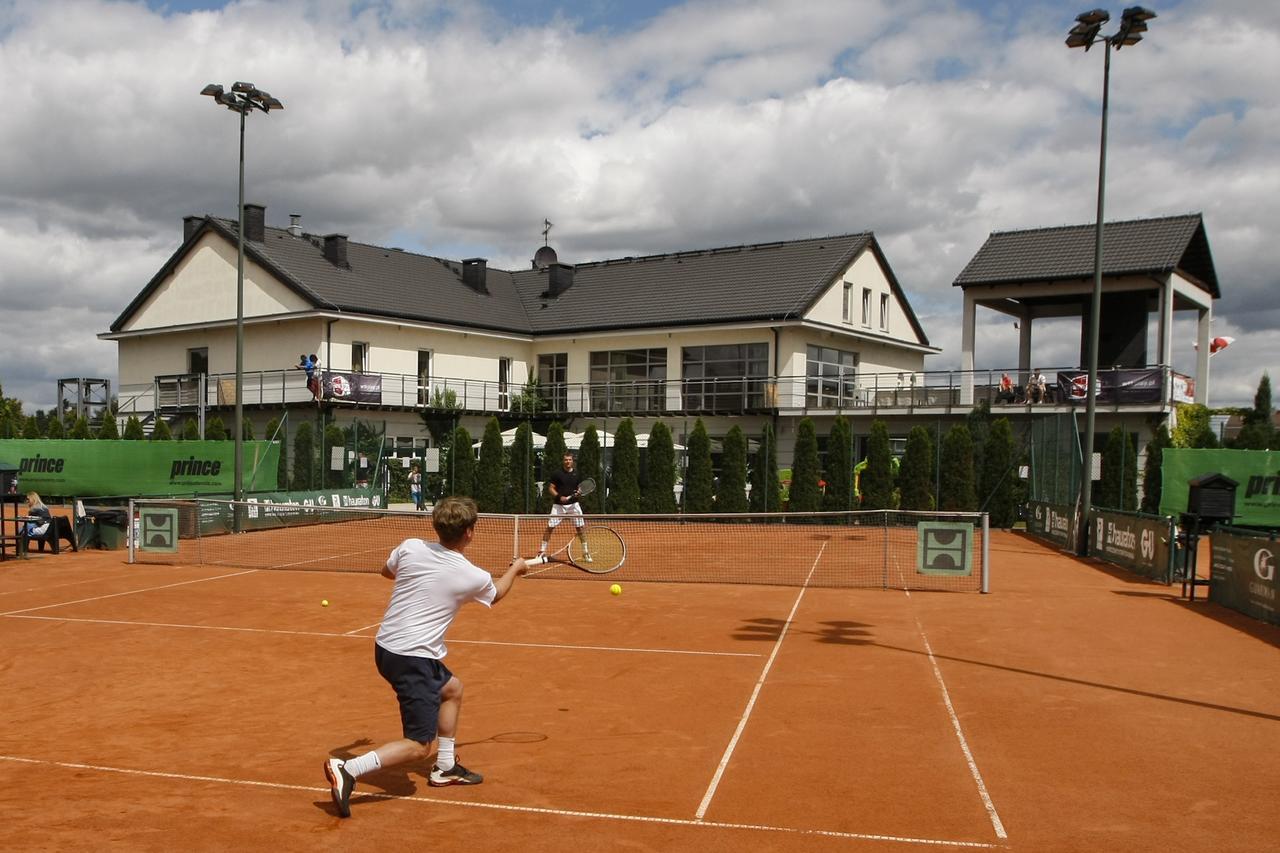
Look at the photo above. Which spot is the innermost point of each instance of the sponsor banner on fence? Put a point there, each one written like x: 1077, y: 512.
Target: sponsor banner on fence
x: 1256, y: 471
x: 1244, y: 575
x: 90, y: 468
x: 353, y: 387
x: 288, y: 509
x: 1138, y: 543
x: 1113, y: 386
x: 1055, y: 522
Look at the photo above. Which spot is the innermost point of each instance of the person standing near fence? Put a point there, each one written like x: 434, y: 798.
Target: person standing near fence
x: 415, y: 486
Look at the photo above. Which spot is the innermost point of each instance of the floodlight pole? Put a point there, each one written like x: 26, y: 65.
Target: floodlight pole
x: 1085, y: 34
x: 1095, y: 317
x: 242, y: 98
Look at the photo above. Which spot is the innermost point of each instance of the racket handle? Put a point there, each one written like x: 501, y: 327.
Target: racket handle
x: 535, y: 561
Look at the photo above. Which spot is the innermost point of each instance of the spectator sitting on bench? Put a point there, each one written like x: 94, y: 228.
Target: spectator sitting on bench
x: 1005, y: 392
x: 45, y: 527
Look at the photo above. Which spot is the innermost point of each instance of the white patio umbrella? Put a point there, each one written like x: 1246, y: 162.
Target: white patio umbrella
x: 509, y: 438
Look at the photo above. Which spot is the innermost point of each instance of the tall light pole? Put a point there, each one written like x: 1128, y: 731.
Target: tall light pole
x: 242, y: 99
x: 1133, y: 22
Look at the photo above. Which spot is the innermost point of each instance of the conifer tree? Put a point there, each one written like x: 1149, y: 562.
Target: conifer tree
x: 110, y: 430
x: 840, y: 463
x: 215, y: 429
x: 246, y: 429
x: 877, y: 478
x: 1258, y: 431
x: 915, y: 474
x: 31, y: 428
x: 489, y: 486
x: 590, y: 464
x: 462, y: 464
x: 56, y: 429
x: 766, y: 487
x: 1151, y: 474
x: 957, y: 491
x: 304, y: 457
x: 699, y: 480
x: 552, y: 461
x: 520, y: 479
x: 731, y: 488
x: 660, y: 482
x: 998, y: 476
x: 624, y: 493
x: 806, y: 495
x: 133, y: 429
x: 80, y: 430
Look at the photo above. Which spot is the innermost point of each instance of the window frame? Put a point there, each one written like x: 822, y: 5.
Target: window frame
x: 612, y: 389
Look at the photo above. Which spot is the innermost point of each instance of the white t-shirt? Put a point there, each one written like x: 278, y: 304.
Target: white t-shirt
x: 431, y: 583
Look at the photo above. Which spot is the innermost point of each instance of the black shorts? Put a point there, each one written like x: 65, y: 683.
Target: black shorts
x: 417, y: 682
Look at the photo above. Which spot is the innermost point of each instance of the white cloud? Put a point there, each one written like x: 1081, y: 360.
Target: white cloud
x: 441, y: 126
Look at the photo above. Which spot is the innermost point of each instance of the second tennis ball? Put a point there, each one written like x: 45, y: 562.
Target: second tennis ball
x: 324, y: 602
x: 615, y: 589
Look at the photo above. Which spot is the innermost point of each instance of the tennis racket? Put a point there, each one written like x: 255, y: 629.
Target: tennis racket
x: 585, y: 488
x: 605, y: 552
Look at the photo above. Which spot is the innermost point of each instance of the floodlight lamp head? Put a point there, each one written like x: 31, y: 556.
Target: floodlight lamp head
x: 243, y: 87
x: 213, y: 90
x: 1095, y: 17
x: 1085, y: 32
x: 1137, y: 13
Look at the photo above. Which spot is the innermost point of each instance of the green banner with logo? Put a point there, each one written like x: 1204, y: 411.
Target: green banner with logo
x: 90, y: 468
x: 1139, y: 543
x: 1256, y: 471
x: 1055, y: 522
x: 1244, y: 575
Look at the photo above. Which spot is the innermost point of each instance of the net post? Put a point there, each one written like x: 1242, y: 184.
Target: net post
x: 129, y: 530
x: 986, y: 554
x: 515, y: 537
x: 884, y: 566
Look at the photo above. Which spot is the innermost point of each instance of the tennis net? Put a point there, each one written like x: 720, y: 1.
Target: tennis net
x: 887, y: 549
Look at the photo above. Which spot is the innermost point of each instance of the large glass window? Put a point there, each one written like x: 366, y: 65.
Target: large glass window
x: 884, y: 311
x: 726, y: 377
x: 359, y: 356
x: 866, y: 306
x: 831, y: 377
x: 847, y: 315
x: 553, y: 373
x: 629, y: 380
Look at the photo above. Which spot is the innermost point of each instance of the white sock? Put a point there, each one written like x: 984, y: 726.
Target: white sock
x: 542, y: 549
x: 444, y: 757
x: 363, y: 764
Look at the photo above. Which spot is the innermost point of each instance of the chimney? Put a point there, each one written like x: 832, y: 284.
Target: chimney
x: 475, y: 274
x: 335, y: 250
x: 190, y: 224
x: 295, y: 224
x: 255, y: 223
x: 559, y: 279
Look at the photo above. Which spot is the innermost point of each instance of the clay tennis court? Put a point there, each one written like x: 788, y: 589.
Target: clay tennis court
x: 162, y: 707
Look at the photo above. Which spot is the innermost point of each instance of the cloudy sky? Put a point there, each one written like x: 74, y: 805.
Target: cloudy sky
x: 454, y: 128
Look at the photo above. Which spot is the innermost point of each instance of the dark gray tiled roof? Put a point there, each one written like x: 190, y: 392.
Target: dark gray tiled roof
x: 763, y: 282
x: 1137, y: 246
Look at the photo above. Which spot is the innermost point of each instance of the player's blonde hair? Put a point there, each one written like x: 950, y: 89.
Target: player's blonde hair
x: 452, y: 518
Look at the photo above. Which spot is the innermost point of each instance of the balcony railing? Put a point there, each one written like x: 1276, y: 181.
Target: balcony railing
x: 939, y: 392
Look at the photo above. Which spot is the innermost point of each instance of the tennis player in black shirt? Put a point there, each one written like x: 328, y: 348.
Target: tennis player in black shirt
x: 563, y: 486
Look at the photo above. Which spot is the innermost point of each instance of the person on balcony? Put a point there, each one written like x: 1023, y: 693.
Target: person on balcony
x: 1005, y: 392
x: 310, y: 363
x: 1037, y: 390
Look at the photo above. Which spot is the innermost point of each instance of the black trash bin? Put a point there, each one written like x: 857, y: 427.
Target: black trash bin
x: 104, y: 527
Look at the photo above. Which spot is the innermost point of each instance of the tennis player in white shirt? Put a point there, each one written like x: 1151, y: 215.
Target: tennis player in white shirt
x: 432, y: 582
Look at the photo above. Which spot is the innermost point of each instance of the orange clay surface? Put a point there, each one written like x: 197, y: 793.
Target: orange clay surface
x: 190, y: 708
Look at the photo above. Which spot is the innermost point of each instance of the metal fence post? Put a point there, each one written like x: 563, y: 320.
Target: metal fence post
x: 986, y: 554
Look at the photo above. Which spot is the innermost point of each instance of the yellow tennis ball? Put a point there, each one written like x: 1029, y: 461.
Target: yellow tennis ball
x: 615, y: 589
x: 324, y: 602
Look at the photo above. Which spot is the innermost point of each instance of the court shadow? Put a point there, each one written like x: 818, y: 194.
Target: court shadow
x: 1084, y: 683
x: 839, y: 632
x: 1267, y: 633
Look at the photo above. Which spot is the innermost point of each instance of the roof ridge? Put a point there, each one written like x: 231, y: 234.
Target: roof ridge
x: 711, y: 250
x: 1047, y: 228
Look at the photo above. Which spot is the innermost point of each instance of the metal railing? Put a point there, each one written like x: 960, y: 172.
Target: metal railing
x: 934, y: 392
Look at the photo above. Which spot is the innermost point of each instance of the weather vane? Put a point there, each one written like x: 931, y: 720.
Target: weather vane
x: 546, y: 231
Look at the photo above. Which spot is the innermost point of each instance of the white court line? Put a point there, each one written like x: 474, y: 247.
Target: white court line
x: 503, y: 807
x: 366, y: 627
x: 349, y: 636
x: 127, y: 592
x: 742, y: 723
x: 964, y: 744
